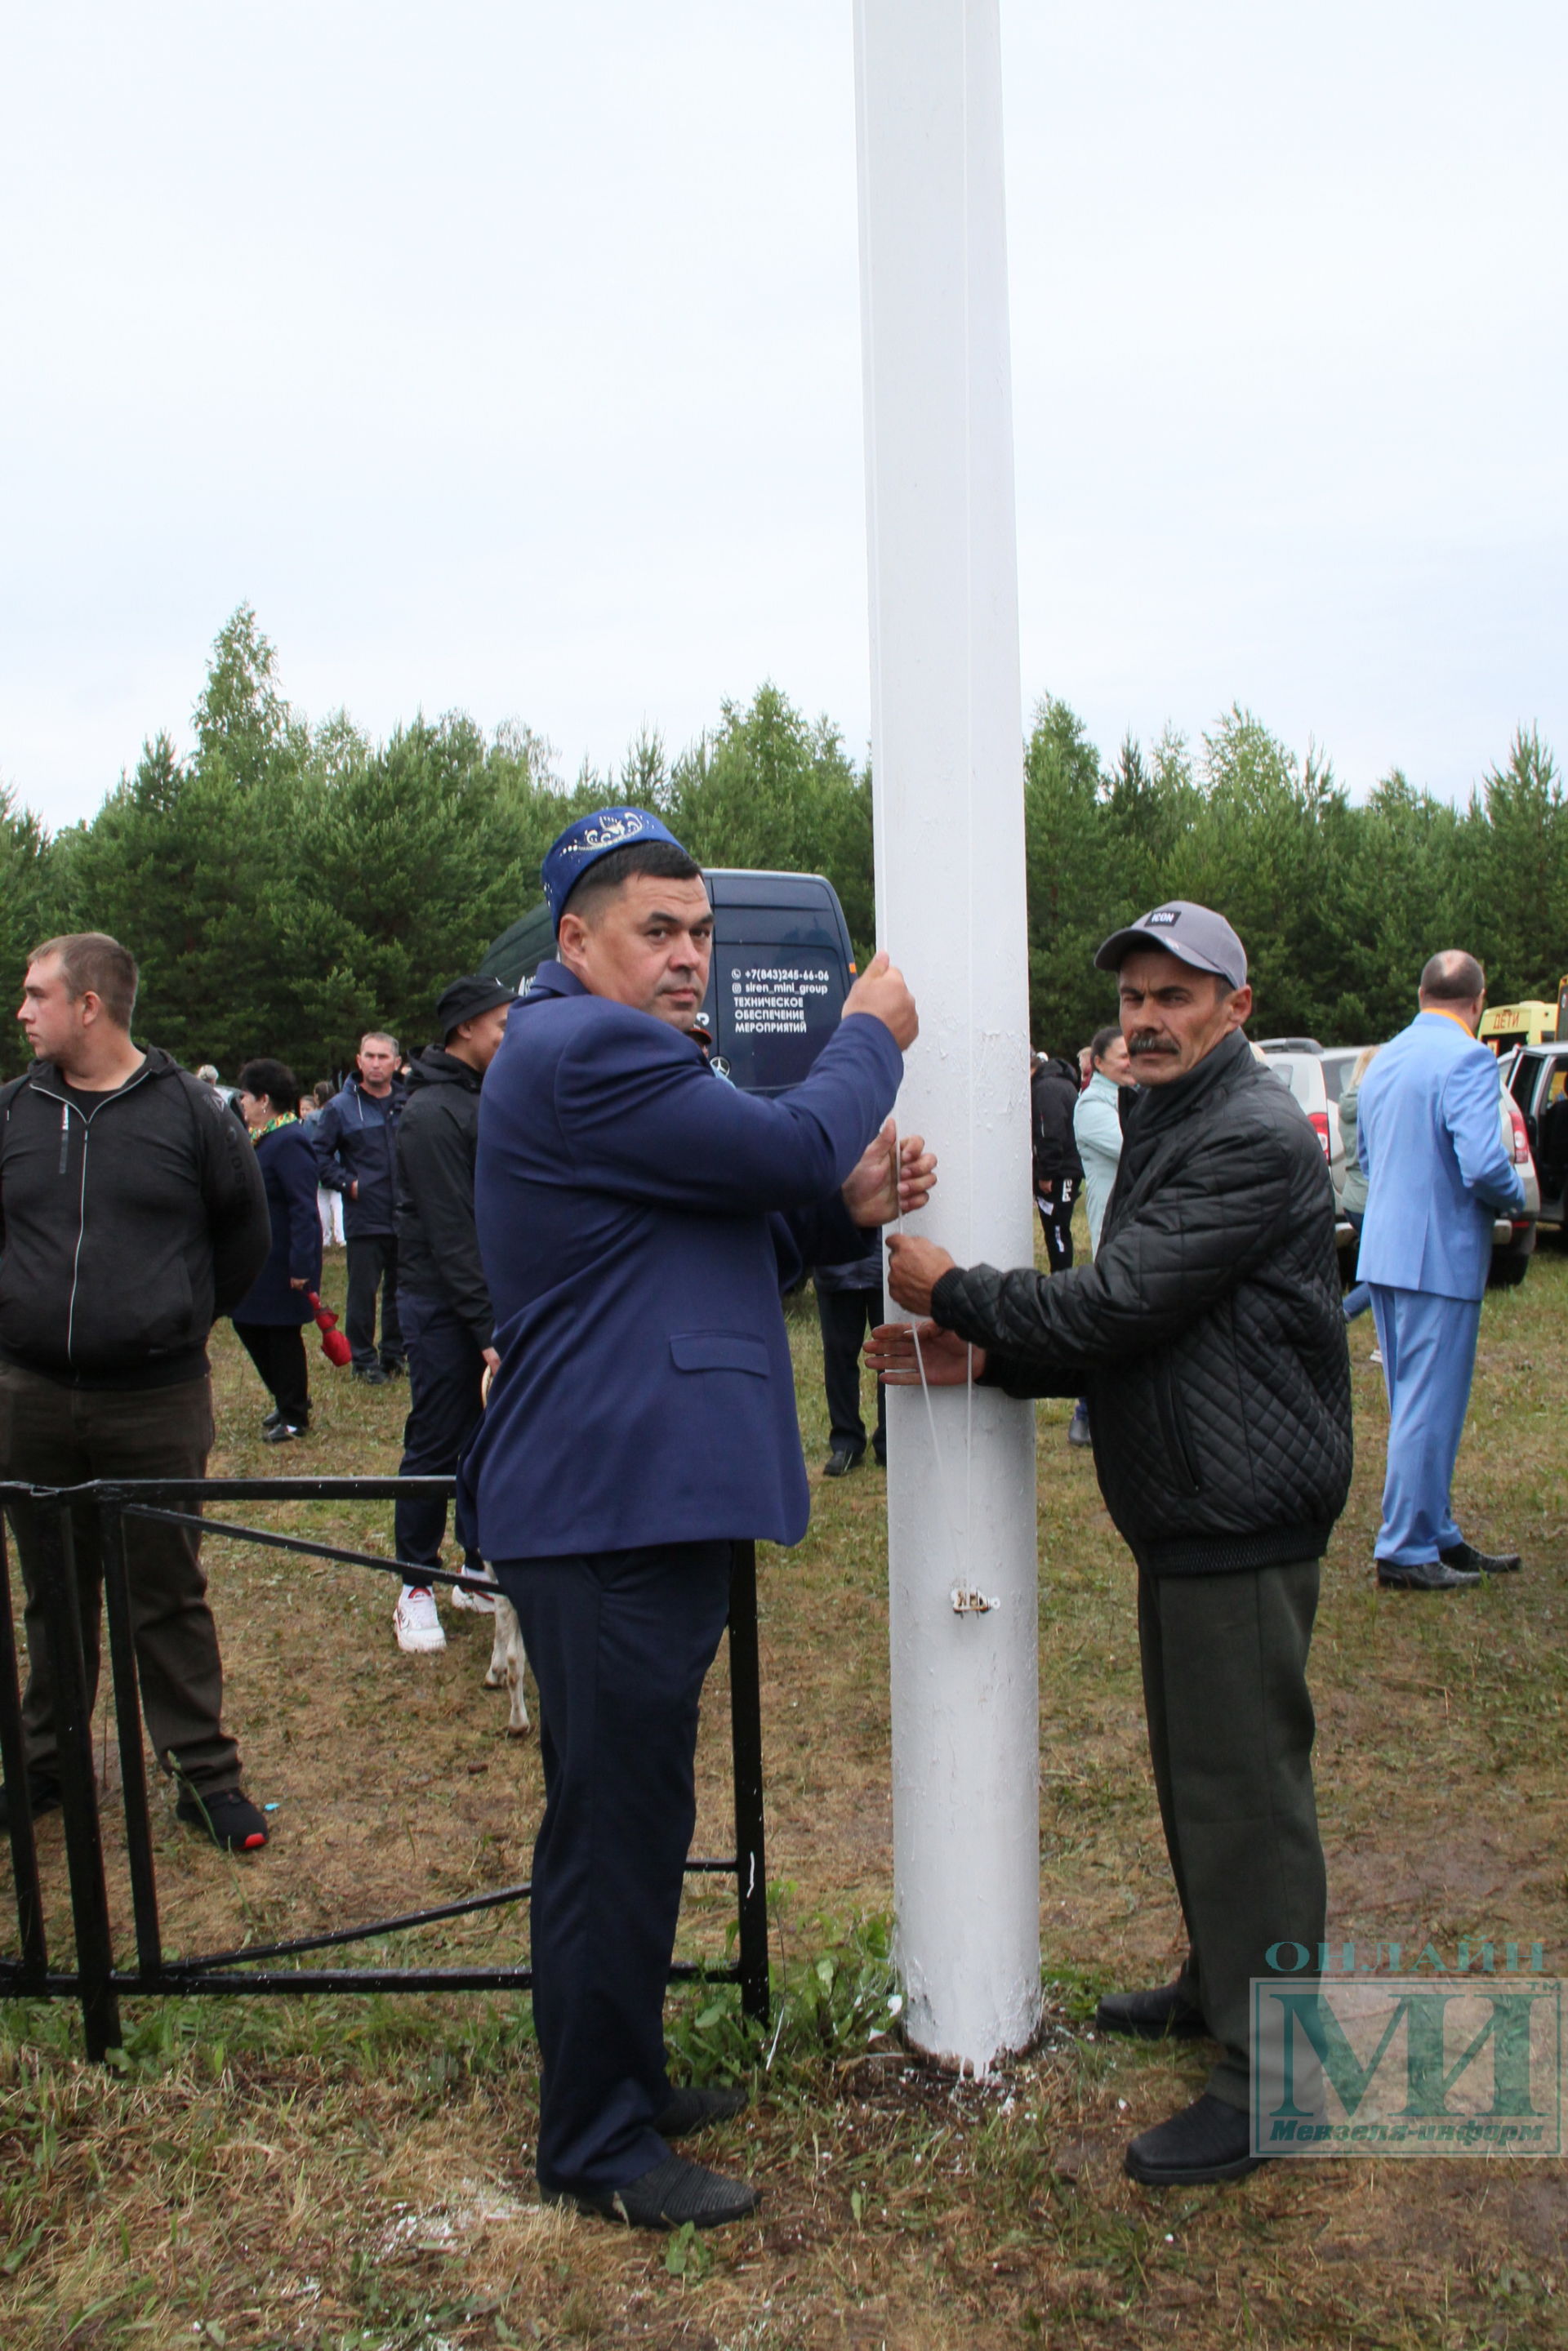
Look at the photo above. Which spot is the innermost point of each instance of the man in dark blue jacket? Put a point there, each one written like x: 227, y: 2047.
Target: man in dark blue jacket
x: 355, y: 1142
x: 636, y: 1216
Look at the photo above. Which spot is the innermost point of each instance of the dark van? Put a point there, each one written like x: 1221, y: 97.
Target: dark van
x: 782, y: 966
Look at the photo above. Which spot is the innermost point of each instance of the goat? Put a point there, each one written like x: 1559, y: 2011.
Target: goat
x: 508, y: 1663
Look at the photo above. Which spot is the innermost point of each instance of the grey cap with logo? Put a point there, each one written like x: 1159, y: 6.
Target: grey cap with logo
x: 1195, y: 935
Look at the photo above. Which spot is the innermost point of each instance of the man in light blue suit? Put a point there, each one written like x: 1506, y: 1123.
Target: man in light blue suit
x: 1438, y: 1173
x: 636, y: 1219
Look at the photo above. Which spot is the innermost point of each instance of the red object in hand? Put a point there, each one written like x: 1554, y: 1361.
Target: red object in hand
x: 334, y: 1347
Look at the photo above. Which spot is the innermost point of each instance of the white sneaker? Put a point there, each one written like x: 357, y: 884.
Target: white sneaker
x: 478, y: 1602
x: 416, y: 1624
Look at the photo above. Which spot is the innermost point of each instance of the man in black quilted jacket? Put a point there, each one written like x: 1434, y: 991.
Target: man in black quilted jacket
x: 1209, y: 1337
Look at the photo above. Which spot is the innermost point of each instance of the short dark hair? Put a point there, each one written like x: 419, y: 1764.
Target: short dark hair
x: 1452, y: 976
x: 322, y: 1092
x: 91, y: 959
x: 1102, y: 1039
x: 664, y: 859
x: 276, y: 1079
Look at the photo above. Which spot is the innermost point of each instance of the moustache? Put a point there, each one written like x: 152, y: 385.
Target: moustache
x: 1149, y: 1043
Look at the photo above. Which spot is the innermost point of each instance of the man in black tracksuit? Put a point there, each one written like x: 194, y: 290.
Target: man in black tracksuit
x: 1057, y: 1169
x: 446, y: 1307
x: 132, y: 1212
x: 1209, y: 1337
x: 355, y: 1142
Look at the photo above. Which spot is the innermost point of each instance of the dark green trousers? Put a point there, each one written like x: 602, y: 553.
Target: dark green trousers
x: 1230, y: 1737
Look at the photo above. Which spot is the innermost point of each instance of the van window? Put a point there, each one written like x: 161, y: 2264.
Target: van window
x: 774, y: 1009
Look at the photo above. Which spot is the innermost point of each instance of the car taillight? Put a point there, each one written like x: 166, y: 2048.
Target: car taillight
x: 1320, y: 1119
x: 1521, y: 1136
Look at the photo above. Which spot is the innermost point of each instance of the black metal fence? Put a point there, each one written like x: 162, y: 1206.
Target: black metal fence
x: 96, y: 1980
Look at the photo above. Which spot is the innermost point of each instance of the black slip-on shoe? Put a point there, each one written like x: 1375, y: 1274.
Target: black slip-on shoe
x: 229, y: 1818
x: 692, y: 2108
x: 1465, y: 1556
x: 842, y: 1460
x: 272, y: 1418
x: 372, y: 1373
x: 1207, y: 2140
x: 1158, y: 2015
x: 667, y: 2196
x: 43, y: 1789
x: 283, y: 1431
x: 1432, y: 1577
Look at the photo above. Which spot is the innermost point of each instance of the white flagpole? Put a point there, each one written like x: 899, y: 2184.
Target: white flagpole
x: 946, y: 748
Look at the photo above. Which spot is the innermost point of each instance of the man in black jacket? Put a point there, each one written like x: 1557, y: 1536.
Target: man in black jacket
x: 131, y: 1214
x: 1209, y: 1337
x: 445, y: 1306
x: 355, y: 1142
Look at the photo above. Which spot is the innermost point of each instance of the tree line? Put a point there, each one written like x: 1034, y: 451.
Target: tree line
x: 285, y: 885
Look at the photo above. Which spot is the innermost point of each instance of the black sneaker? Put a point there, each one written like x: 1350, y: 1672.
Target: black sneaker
x: 229, y: 1818
x: 1158, y: 2015
x: 372, y: 1373
x: 1465, y: 1556
x: 667, y: 2196
x: 1208, y: 2140
x: 395, y: 1366
x: 283, y: 1431
x: 842, y: 1460
x: 44, y: 1790
x: 693, y: 2109
x: 272, y: 1418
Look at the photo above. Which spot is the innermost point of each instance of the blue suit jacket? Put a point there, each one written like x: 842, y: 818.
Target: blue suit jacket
x: 1437, y: 1172
x: 624, y: 1199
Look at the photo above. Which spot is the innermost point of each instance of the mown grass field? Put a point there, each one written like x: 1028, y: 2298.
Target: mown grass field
x: 346, y: 2172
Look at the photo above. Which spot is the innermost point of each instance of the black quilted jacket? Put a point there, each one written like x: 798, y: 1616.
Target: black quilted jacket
x: 1207, y: 1334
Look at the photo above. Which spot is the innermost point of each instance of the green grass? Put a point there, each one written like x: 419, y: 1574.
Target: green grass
x: 350, y: 2172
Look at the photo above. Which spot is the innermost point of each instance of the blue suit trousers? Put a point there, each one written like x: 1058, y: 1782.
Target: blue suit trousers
x: 1429, y: 1348
x: 620, y: 1643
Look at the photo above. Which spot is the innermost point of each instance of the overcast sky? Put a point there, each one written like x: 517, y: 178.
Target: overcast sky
x: 507, y: 357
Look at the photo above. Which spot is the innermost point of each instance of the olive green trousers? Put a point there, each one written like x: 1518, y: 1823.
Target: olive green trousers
x: 1230, y: 1739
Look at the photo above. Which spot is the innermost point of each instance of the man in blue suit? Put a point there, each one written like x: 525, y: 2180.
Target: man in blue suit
x: 1438, y: 1174
x: 637, y: 1218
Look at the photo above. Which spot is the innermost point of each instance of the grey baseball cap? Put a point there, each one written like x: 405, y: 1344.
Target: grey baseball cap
x: 1194, y: 934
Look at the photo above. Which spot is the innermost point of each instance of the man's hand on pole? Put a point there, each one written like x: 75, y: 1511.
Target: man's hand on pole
x: 914, y: 1270
x: 949, y: 1362
x: 882, y: 991
x: 887, y: 1183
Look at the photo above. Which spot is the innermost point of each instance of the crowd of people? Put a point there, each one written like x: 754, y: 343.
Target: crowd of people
x: 583, y: 1286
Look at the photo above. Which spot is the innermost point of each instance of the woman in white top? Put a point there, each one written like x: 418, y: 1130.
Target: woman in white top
x: 1097, y: 1130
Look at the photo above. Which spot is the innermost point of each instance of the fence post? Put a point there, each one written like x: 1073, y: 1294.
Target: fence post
x: 13, y: 1764
x: 127, y: 1723
x: 79, y: 1790
x: 746, y: 1738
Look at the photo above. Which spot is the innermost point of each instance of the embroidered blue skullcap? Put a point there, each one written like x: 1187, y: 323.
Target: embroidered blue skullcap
x: 582, y: 844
